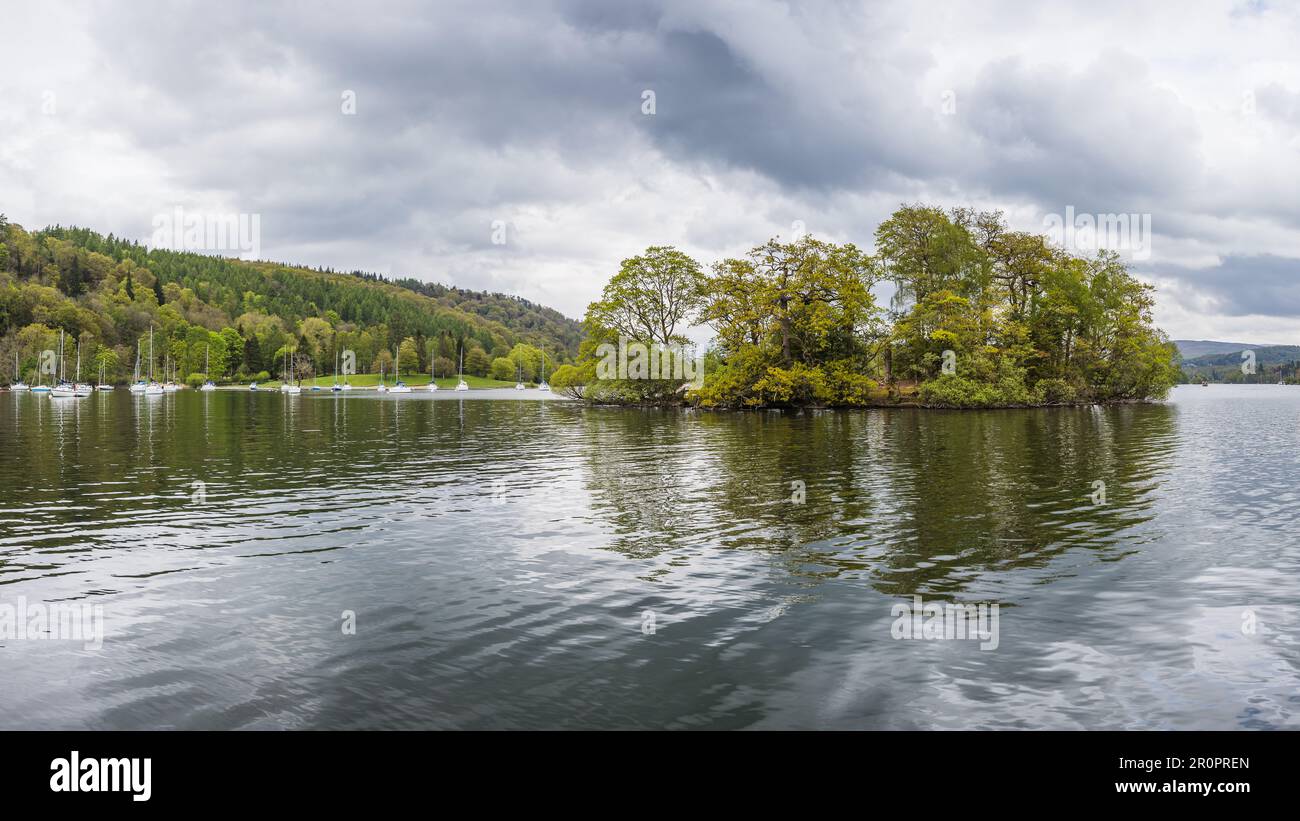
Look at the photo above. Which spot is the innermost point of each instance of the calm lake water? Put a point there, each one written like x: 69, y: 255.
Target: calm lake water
x: 539, y: 564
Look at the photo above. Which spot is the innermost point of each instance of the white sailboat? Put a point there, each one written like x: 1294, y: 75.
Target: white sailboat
x: 18, y: 384
x: 346, y: 386
x: 287, y: 386
x: 137, y: 384
x: 461, y: 385
x: 382, y: 387
x: 208, y: 384
x: 433, y: 372
x: 336, y: 387
x: 102, y: 385
x: 63, y: 389
x: 169, y: 372
x: 40, y: 387
x: 519, y: 376
x: 399, y: 386
x: 80, y: 388
x: 542, y: 386
x: 153, y: 388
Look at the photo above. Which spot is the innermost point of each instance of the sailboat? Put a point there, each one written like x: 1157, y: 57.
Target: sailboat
x: 153, y: 388
x: 39, y: 387
x: 347, y: 386
x: 169, y: 371
x: 18, y: 383
x: 208, y: 384
x: 80, y: 388
x: 314, y: 387
x: 137, y: 384
x: 336, y: 387
x: 63, y: 389
x: 287, y: 386
x: 519, y: 376
x: 399, y: 386
x: 542, y: 386
x: 102, y: 385
x: 433, y: 373
x: 382, y: 387
x: 461, y: 385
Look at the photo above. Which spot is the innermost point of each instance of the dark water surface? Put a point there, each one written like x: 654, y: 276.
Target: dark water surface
x: 504, y: 560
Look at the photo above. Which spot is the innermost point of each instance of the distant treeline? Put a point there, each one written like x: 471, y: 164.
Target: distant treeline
x: 243, y: 317
x: 981, y: 316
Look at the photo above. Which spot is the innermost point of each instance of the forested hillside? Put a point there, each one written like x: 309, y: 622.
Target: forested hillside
x: 107, y: 293
x: 1249, y: 364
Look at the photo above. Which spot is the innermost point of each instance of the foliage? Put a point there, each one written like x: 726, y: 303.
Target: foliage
x: 981, y: 316
x: 236, y: 315
x: 503, y: 368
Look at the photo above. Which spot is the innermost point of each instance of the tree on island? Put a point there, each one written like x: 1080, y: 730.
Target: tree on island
x: 981, y: 316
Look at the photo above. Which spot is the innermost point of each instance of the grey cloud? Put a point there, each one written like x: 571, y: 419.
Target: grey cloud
x: 1246, y: 285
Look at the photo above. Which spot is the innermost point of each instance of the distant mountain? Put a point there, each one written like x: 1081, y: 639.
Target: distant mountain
x: 1264, y: 354
x: 1193, y: 348
x: 1272, y: 363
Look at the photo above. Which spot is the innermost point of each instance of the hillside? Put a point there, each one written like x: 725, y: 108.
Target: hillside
x: 244, y: 316
x: 1272, y: 362
x: 511, y: 311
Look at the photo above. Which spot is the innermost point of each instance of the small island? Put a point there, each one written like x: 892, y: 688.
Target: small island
x: 980, y: 316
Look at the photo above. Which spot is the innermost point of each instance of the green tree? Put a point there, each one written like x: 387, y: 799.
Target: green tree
x: 477, y: 361
x: 503, y: 368
x: 408, y: 356
x: 651, y: 297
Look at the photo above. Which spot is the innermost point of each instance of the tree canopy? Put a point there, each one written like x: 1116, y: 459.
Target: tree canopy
x: 980, y: 316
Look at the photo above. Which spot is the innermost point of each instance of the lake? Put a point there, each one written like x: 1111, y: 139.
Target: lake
x: 475, y: 561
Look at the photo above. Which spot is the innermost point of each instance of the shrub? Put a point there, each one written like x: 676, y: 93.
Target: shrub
x: 846, y: 386
x: 568, y: 380
x: 952, y: 391
x: 796, y: 385
x: 1055, y: 391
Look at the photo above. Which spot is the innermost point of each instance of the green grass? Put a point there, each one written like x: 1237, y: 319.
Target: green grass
x: 371, y: 380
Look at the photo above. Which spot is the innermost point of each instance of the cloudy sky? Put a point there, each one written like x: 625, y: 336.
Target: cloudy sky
x: 766, y: 116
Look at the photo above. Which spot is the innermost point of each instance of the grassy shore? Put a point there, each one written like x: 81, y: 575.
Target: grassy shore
x: 371, y: 380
